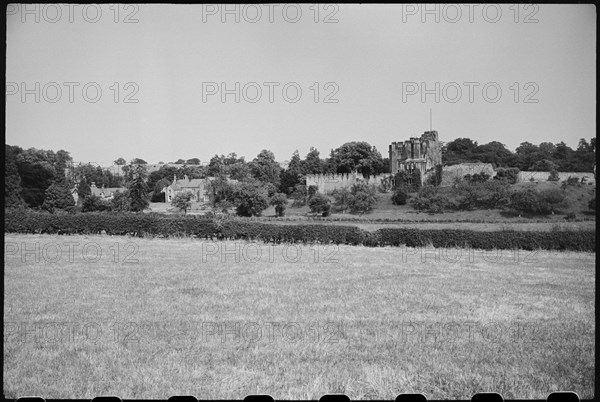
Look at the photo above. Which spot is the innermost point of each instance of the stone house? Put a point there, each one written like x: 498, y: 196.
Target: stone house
x: 198, y: 187
x: 105, y: 193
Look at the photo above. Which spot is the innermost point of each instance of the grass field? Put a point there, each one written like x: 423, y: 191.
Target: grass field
x: 152, y: 318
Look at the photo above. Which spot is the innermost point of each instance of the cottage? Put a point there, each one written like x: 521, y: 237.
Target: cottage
x: 197, y: 187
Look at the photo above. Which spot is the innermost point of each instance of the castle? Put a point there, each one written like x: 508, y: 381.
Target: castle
x: 422, y: 153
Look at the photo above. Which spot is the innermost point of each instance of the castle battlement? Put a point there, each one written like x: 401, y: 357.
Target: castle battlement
x: 423, y: 153
x: 327, y: 182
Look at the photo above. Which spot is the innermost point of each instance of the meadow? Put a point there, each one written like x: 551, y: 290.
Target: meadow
x: 151, y: 318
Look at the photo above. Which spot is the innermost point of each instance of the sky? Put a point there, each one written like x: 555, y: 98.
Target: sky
x: 164, y: 82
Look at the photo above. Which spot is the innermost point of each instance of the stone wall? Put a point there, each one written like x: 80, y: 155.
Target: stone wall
x: 326, y: 183
x: 543, y: 176
x: 449, y: 173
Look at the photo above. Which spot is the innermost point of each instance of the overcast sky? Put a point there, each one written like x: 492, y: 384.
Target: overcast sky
x: 378, y: 70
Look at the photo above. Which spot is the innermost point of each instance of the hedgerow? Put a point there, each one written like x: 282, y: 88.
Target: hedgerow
x: 140, y: 224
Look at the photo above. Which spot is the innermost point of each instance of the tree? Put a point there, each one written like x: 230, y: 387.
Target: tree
x: 458, y: 151
x: 158, y: 194
x: 138, y: 161
x: 193, y: 161
x: 279, y: 200
x: 320, y: 204
x: 357, y: 156
x: 220, y: 190
x: 83, y: 191
x: 182, y: 201
x: 292, y: 175
x: 120, y: 162
x: 250, y: 198
x: 400, y: 196
x: 299, y: 195
x: 121, y: 201
x: 37, y: 172
x: 312, y: 164
x: 265, y: 169
x: 436, y: 178
x: 12, y: 180
x: 138, y: 189
x: 58, y: 197
x: 493, y: 152
x: 363, y: 198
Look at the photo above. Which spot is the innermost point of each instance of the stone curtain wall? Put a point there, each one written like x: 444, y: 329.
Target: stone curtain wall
x: 326, y: 183
x: 449, y: 173
x: 543, y: 176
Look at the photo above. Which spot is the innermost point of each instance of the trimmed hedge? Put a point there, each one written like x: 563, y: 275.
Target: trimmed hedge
x: 24, y: 221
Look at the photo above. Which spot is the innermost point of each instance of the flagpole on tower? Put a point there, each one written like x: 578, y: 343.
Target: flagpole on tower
x: 430, y: 120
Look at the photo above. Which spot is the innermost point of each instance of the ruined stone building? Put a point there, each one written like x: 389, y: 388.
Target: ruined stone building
x: 424, y: 153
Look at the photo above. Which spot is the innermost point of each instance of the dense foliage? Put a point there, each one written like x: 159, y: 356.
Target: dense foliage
x: 27, y: 221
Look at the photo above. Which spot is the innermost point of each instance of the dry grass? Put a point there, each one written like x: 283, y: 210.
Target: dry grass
x: 374, y: 322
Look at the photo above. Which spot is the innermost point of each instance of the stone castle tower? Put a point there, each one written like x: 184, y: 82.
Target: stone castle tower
x: 423, y: 153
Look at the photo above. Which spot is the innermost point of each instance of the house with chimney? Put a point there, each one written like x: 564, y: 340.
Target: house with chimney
x: 104, y: 193
x: 199, y: 188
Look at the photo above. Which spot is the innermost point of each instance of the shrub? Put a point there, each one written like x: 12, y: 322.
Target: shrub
x: 28, y: 221
x: 482, y: 195
x: 58, y: 197
x: 299, y: 196
x: 477, y: 177
x: 279, y: 200
x: 400, y: 196
x: 544, y: 202
x: 511, y: 175
x: 362, y: 198
x: 572, y: 181
x: 553, y: 175
x: 411, y: 181
x: 121, y: 202
x: 571, y: 216
x: 93, y: 203
x: 592, y: 204
x: 312, y: 190
x: 320, y: 204
x: 341, y: 198
x: 551, y: 199
x: 430, y: 200
x: 182, y: 201
x: 250, y: 198
x: 524, y: 200
x: 386, y: 184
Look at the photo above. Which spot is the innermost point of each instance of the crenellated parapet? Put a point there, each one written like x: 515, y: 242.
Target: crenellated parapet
x: 327, y: 183
x: 424, y: 153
